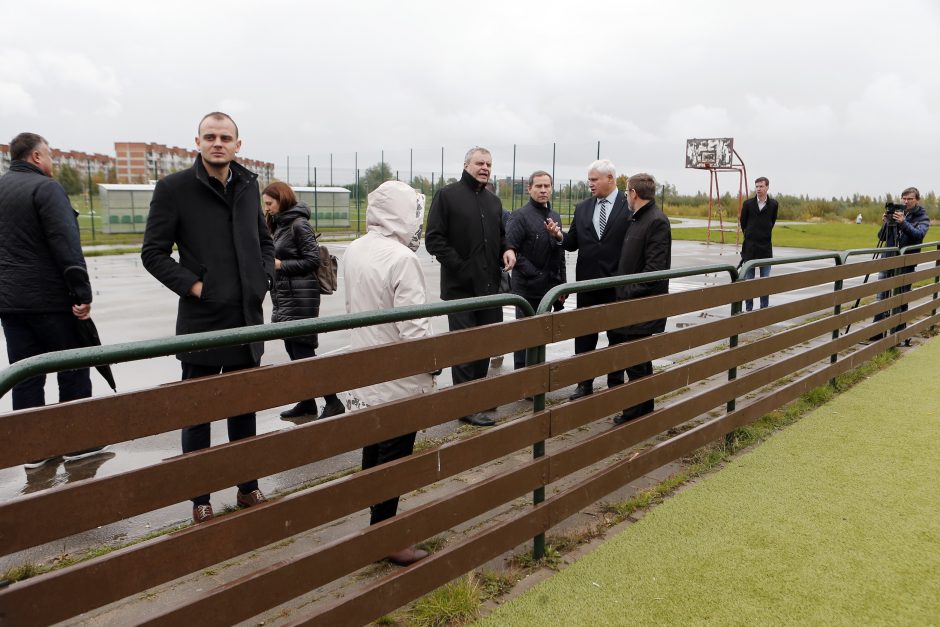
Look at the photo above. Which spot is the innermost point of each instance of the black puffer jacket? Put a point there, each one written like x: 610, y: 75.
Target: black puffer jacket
x: 38, y: 241
x: 296, y: 291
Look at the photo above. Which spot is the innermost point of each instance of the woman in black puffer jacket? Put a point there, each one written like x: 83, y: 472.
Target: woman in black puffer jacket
x: 296, y: 291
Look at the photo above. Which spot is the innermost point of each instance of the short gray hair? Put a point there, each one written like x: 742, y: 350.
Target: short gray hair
x: 470, y: 152
x: 603, y: 166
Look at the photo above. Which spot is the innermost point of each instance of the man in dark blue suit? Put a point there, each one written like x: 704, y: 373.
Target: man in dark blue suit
x: 597, y: 232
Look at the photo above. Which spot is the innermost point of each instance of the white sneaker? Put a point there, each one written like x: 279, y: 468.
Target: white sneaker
x: 71, y: 457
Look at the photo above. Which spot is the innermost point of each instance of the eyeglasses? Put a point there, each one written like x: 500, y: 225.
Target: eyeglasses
x: 908, y: 198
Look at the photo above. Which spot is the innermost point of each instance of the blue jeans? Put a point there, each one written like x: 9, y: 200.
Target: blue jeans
x: 764, y: 300
x: 30, y: 334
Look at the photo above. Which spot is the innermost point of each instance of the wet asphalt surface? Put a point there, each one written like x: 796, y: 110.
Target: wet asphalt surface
x: 131, y: 305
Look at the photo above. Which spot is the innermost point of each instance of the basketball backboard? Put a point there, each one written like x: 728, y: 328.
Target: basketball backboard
x: 709, y: 153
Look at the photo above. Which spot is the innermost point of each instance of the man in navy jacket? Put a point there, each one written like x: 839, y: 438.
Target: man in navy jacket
x: 39, y: 243
x: 899, y: 229
x: 540, y: 258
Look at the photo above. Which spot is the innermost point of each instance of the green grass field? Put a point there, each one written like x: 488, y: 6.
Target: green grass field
x: 823, y: 236
x: 832, y: 521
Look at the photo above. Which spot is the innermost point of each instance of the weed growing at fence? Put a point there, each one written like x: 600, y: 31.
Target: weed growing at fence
x: 457, y: 602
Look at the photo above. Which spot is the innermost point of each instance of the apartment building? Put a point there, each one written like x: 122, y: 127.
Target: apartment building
x: 139, y: 162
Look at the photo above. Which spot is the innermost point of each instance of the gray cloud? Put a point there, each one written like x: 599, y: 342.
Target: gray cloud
x: 824, y: 99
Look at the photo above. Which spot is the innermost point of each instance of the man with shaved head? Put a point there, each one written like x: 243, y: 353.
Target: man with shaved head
x: 212, y: 213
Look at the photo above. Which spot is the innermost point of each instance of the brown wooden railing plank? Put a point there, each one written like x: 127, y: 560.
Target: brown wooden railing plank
x: 114, y: 576
x: 133, y: 492
x: 58, y: 429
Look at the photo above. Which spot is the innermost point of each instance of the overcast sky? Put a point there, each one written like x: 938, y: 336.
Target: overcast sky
x: 823, y: 98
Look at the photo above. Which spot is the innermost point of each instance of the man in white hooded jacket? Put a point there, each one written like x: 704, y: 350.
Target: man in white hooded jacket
x: 381, y: 271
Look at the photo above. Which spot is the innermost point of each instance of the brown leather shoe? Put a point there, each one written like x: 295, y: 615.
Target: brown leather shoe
x: 202, y: 513
x: 407, y: 557
x: 254, y: 497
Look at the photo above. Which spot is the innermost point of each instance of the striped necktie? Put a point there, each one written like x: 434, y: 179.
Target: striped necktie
x: 602, y: 219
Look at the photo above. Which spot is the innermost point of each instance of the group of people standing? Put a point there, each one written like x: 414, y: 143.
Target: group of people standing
x: 615, y: 233
x: 235, y: 246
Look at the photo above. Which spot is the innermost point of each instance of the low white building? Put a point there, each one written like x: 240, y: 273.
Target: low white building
x: 124, y: 207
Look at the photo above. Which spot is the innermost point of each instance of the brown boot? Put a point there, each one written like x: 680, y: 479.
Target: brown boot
x: 202, y: 513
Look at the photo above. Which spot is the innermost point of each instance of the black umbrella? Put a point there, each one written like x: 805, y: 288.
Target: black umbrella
x: 87, y: 331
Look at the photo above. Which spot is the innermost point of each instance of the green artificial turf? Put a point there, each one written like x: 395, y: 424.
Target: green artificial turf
x: 835, y: 520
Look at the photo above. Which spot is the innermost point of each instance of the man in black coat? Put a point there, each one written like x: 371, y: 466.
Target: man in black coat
x: 540, y: 258
x: 212, y: 213
x: 596, y: 232
x: 647, y: 248
x: 39, y: 242
x: 467, y: 236
x: 758, y: 216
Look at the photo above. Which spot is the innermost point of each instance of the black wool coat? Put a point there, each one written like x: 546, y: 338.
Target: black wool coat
x: 38, y: 241
x: 758, y: 227
x: 467, y: 236
x: 224, y: 242
x: 646, y: 248
x: 296, y: 291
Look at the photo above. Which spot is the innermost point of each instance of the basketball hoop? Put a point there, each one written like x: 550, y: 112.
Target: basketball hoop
x: 717, y: 155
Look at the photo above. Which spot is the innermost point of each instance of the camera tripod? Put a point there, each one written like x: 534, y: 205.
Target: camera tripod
x: 882, y: 243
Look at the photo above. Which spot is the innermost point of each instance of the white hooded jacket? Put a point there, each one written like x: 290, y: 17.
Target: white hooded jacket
x: 381, y: 271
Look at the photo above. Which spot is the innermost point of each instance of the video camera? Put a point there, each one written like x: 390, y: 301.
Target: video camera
x: 891, y: 207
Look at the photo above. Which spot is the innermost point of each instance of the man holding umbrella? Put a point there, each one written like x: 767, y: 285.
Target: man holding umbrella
x: 39, y: 243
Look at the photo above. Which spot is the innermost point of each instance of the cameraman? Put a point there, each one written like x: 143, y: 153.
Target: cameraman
x: 901, y: 228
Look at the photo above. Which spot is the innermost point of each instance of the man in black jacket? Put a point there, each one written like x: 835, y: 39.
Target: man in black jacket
x: 212, y: 213
x: 758, y: 216
x: 596, y: 232
x: 540, y: 258
x: 467, y: 236
x: 39, y: 242
x: 646, y: 248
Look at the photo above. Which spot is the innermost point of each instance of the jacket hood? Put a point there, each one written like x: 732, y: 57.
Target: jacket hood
x: 396, y: 210
x: 300, y: 210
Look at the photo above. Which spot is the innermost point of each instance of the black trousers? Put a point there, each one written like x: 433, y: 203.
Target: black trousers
x: 883, y: 295
x: 33, y: 334
x: 380, y: 453
x: 639, y: 371
x: 198, y: 437
x: 518, y: 357
x: 461, y: 373
x: 587, y: 343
